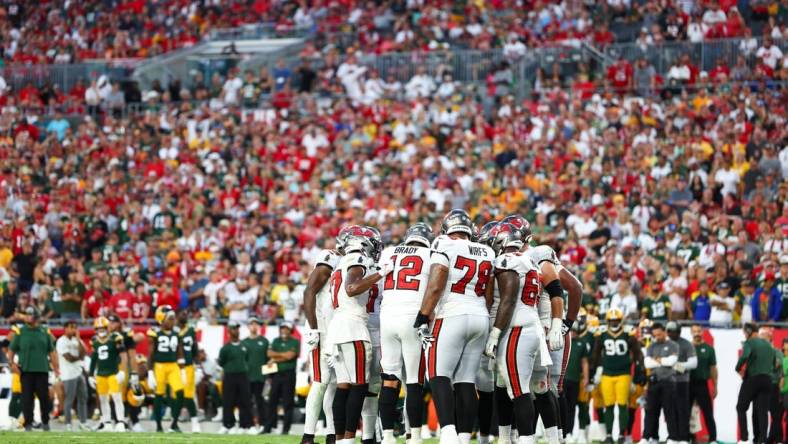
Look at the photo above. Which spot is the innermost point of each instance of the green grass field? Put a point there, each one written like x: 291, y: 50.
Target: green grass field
x: 145, y: 438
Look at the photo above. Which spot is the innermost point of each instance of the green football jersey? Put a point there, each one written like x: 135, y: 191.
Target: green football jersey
x: 615, y: 351
x: 657, y: 309
x: 166, y: 343
x: 105, y: 359
x: 188, y: 338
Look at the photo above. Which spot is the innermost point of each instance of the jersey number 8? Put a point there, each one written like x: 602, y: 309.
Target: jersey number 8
x: 470, y: 266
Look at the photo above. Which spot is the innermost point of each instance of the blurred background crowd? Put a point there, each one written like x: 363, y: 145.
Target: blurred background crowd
x: 216, y: 192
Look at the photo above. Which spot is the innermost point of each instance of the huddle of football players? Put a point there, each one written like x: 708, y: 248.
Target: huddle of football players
x: 481, y: 314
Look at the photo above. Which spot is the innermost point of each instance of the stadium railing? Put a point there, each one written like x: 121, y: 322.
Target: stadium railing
x: 703, y: 54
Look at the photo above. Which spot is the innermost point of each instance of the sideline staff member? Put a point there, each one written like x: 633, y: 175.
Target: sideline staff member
x: 235, y: 382
x: 257, y: 353
x: 34, y: 345
x: 756, y: 365
x: 661, y: 356
x: 284, y: 352
x: 699, y: 380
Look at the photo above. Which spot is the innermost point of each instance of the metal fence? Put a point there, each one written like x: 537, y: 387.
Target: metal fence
x: 704, y: 55
x: 64, y: 76
x: 258, y: 31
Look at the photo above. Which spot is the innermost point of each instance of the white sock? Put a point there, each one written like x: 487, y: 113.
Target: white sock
x: 525, y: 440
x: 369, y: 417
x: 388, y: 435
x: 314, y: 404
x: 551, y: 434
x: 120, y: 410
x: 449, y: 431
x: 415, y: 435
x: 328, y: 401
x: 484, y: 439
x: 106, y: 416
x: 465, y: 438
x: 504, y: 434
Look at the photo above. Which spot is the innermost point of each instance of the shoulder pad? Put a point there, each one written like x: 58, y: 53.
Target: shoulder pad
x: 15, y: 329
x: 541, y: 253
x: 329, y: 258
x: 153, y: 332
x: 438, y: 240
x: 601, y: 329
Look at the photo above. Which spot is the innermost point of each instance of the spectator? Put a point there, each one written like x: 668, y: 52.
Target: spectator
x: 700, y: 308
x: 231, y: 88
x: 722, y: 305
x: 766, y: 301
x: 769, y: 53
x: 282, y: 75
x: 58, y: 125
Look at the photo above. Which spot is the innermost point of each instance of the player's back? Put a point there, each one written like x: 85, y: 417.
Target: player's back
x: 404, y: 287
x: 349, y: 321
x: 470, y: 267
x: 323, y: 307
x: 525, y: 309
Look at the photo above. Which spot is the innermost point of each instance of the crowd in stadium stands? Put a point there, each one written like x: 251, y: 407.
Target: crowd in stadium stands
x: 218, y: 193
x: 87, y: 30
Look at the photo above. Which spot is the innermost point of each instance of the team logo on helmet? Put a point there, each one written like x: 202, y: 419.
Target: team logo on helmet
x: 521, y: 224
x: 484, y: 233
x: 164, y: 312
x: 503, y: 236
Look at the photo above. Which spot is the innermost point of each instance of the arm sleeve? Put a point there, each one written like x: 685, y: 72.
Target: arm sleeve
x: 670, y: 361
x: 692, y: 363
x: 650, y: 363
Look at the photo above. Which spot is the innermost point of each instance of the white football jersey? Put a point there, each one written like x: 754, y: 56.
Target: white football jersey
x: 404, y: 287
x: 349, y: 322
x: 525, y: 309
x: 323, y: 308
x: 539, y: 254
x: 374, y: 300
x: 470, y: 267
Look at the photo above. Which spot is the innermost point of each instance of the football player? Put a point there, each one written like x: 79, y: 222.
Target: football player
x: 458, y: 296
x: 517, y: 278
x: 403, y: 291
x: 488, y: 386
x: 165, y: 353
x: 138, y: 393
x: 557, y: 319
x: 109, y: 363
x: 577, y: 377
x: 15, y: 404
x: 615, y: 350
x: 369, y: 411
x: 318, y: 310
x: 349, y: 340
x: 188, y: 339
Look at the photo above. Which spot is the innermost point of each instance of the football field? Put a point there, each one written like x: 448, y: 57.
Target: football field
x: 145, y: 438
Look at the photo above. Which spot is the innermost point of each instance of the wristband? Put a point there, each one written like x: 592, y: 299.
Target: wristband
x: 421, y: 319
x: 181, y: 361
x: 568, y: 323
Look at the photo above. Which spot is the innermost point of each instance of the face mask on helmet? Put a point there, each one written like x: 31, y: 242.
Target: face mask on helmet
x: 581, y: 325
x: 102, y: 332
x: 614, y: 324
